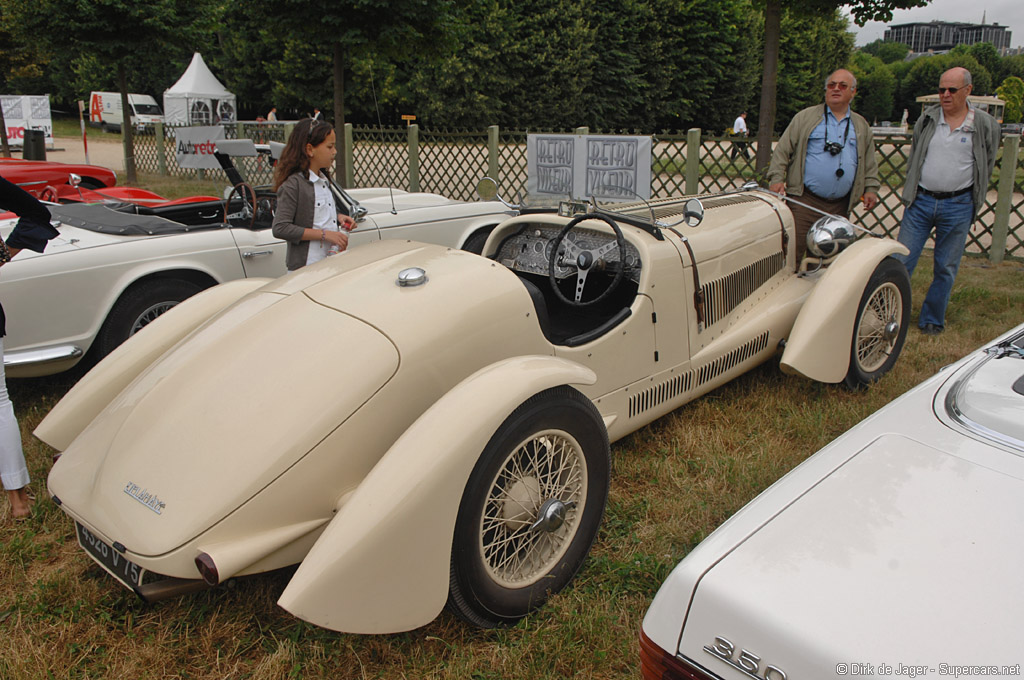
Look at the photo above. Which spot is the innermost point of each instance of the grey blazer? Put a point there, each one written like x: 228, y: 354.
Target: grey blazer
x: 294, y: 214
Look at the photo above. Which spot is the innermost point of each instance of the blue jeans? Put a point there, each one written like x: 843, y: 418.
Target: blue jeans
x: 951, y: 219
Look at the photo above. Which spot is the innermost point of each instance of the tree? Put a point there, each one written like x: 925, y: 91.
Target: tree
x: 886, y: 50
x: 924, y: 74
x: 986, y: 55
x: 1012, y: 92
x: 129, y: 36
x: 876, y: 87
x: 863, y: 11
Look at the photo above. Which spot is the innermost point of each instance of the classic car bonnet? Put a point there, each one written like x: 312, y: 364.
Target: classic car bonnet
x: 847, y: 573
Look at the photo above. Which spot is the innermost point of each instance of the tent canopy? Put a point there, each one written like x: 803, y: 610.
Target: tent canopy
x: 198, y: 98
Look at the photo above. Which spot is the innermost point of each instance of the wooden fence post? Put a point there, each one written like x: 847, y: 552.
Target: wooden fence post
x: 1007, y: 171
x: 492, y: 152
x: 348, y: 151
x: 414, y: 157
x: 693, y: 161
x: 161, y: 151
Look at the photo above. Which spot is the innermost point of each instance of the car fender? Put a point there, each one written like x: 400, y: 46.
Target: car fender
x: 96, y: 389
x: 382, y: 564
x: 819, y: 345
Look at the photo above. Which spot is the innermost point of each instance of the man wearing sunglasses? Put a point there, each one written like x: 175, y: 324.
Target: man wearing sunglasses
x: 951, y: 161
x: 826, y: 156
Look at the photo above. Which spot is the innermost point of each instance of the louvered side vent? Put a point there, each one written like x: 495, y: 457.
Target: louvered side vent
x: 725, y: 294
x: 732, y: 359
x: 660, y: 393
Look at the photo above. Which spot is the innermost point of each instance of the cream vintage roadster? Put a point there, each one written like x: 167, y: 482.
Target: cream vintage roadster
x: 415, y: 425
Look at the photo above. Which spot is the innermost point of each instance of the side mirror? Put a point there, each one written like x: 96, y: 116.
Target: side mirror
x: 693, y: 212
x: 74, y: 180
x: 487, y: 189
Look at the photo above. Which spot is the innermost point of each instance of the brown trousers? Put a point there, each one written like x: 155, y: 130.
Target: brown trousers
x: 803, y: 217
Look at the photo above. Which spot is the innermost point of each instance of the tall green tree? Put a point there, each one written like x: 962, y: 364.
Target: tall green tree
x: 887, y: 50
x: 1012, y: 92
x: 123, y: 35
x: 876, y: 87
x: 863, y: 11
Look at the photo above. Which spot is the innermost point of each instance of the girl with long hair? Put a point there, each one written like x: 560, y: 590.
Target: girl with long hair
x: 307, y: 216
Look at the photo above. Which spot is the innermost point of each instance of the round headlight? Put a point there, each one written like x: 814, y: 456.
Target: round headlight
x: 829, y: 235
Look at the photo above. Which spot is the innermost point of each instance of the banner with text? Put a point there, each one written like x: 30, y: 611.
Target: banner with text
x: 27, y: 112
x: 606, y: 167
x: 194, y: 146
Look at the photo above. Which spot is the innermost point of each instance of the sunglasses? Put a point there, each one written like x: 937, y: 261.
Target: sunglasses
x: 834, y: 85
x: 951, y: 90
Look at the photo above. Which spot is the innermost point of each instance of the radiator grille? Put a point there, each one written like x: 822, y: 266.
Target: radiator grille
x: 732, y: 359
x: 725, y: 294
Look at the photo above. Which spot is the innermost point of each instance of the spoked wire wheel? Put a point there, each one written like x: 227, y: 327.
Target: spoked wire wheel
x: 533, y: 509
x: 878, y: 327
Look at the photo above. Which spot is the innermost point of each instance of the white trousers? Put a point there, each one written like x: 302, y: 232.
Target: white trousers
x: 13, y: 470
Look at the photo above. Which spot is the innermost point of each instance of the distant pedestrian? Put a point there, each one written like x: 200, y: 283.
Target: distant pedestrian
x: 739, y: 129
x: 272, y: 116
x: 316, y: 114
x: 951, y: 160
x: 826, y: 157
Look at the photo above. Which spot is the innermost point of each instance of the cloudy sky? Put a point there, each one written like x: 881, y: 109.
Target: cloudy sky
x: 1009, y: 13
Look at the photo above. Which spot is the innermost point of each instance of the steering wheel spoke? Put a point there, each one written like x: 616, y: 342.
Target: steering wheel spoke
x: 568, y: 253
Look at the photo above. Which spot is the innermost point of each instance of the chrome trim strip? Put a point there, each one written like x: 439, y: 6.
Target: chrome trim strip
x: 42, y: 356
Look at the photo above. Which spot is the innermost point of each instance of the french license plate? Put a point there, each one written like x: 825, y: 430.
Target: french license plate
x: 118, y: 565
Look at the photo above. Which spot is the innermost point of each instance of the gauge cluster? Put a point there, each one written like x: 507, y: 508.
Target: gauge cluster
x: 529, y: 250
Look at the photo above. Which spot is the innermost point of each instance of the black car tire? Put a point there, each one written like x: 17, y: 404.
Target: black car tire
x: 138, y: 306
x: 546, y: 466
x: 877, y: 342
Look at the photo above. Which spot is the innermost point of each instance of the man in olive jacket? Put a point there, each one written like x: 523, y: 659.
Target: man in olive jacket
x: 951, y: 161
x: 826, y: 157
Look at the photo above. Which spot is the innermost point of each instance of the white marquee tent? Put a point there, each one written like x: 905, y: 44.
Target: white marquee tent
x: 198, y: 98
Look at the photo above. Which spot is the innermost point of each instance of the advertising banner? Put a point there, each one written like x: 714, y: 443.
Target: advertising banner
x: 606, y: 167
x: 27, y: 112
x: 195, y: 146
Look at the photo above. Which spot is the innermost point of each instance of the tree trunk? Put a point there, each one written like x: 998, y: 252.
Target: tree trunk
x: 769, y: 83
x: 339, y: 113
x: 126, y: 127
x: 5, y: 149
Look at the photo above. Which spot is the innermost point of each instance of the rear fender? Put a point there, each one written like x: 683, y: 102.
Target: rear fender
x: 382, y: 564
x: 92, y: 393
x: 819, y: 345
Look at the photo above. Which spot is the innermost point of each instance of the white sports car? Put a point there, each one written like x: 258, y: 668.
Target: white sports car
x: 892, y: 552
x: 118, y: 265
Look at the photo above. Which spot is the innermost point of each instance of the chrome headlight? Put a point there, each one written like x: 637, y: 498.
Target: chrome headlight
x: 829, y: 235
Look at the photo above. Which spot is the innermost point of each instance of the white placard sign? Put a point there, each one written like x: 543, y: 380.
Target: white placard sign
x: 194, y: 146
x: 607, y: 167
x: 27, y: 112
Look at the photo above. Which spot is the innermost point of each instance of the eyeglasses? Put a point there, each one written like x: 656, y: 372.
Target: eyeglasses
x: 832, y: 85
x: 951, y: 90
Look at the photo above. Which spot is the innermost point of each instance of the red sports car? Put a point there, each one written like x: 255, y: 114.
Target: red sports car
x: 47, y: 180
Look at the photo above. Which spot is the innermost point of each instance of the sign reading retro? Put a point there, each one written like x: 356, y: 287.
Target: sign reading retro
x: 27, y: 112
x: 606, y: 167
x: 194, y: 146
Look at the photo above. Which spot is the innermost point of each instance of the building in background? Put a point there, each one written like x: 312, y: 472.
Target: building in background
x: 942, y: 36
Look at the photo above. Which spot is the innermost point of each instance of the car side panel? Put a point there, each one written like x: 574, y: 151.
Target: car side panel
x: 819, y: 346
x: 382, y: 564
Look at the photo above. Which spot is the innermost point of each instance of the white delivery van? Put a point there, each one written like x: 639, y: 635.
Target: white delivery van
x: 105, y: 110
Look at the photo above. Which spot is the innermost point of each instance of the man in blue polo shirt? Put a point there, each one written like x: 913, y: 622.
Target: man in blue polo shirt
x: 826, y: 157
x: 951, y: 160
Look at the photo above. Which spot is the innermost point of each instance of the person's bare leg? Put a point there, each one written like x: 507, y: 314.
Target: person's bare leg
x: 21, y: 506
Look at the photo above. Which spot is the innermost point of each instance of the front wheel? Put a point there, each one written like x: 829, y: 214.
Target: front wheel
x: 531, y: 509
x: 137, y: 307
x: 881, y: 325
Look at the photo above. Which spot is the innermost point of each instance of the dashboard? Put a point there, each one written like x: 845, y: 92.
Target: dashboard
x: 529, y: 250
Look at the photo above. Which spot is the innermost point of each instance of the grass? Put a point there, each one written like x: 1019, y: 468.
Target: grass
x: 673, y: 482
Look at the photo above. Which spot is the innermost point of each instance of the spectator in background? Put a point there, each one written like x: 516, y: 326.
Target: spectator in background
x: 826, y: 157
x: 272, y: 116
x: 739, y: 129
x: 951, y: 159
x: 32, y: 231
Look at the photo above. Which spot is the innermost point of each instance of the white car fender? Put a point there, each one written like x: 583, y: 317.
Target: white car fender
x: 382, y: 564
x: 96, y: 389
x: 819, y: 345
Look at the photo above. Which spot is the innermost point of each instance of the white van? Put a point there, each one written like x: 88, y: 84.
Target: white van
x: 105, y: 110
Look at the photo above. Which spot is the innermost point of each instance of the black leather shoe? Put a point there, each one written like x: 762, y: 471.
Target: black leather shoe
x: 931, y: 329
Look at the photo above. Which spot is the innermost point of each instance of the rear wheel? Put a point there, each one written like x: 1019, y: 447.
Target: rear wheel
x: 881, y: 325
x: 531, y: 509
x: 137, y: 307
